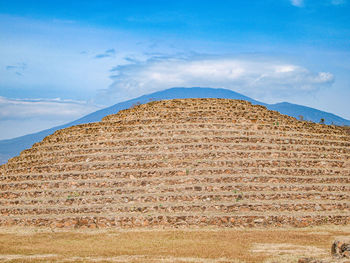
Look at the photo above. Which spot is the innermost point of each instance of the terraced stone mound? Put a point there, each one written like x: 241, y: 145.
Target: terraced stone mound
x: 183, y: 162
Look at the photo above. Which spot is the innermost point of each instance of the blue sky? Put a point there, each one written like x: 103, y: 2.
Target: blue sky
x: 63, y: 59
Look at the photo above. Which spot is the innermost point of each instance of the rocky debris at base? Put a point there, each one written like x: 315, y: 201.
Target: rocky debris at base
x: 332, y: 260
x: 340, y: 253
x: 311, y: 260
x: 341, y: 248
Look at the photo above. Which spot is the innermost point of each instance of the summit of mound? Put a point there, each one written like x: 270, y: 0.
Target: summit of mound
x: 12, y: 147
x: 182, y: 162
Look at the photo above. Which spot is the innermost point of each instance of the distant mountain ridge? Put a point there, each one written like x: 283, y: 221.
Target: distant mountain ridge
x: 12, y: 147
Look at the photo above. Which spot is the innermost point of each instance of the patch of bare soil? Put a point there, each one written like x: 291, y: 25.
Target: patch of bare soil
x: 168, y: 245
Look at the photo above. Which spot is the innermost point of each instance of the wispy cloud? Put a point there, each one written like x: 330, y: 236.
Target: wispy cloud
x: 19, y: 117
x: 24, y: 116
x: 43, y: 108
x: 298, y: 3
x: 17, y: 68
x: 108, y: 53
x: 257, y: 77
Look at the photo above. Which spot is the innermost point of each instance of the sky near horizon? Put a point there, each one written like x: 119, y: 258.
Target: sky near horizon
x: 60, y: 60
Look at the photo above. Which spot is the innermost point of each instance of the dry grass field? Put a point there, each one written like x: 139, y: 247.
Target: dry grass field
x: 167, y: 245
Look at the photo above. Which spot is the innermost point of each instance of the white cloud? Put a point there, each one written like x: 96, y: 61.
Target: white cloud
x: 44, y: 109
x: 24, y: 116
x: 261, y: 78
x: 298, y: 3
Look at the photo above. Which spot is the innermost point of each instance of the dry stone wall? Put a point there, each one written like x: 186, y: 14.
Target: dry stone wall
x: 182, y: 162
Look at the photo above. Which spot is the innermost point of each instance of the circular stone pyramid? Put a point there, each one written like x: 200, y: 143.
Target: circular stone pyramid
x: 191, y: 162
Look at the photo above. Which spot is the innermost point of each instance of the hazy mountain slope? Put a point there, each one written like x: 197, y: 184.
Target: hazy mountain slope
x: 308, y: 113
x: 12, y: 147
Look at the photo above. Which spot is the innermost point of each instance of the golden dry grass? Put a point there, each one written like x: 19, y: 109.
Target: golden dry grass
x: 167, y: 245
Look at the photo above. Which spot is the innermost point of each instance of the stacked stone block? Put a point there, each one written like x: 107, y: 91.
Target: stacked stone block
x: 182, y: 162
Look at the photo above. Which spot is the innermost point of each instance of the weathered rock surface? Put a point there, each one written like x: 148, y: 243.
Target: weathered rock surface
x: 311, y: 260
x: 341, y: 248
x: 181, y: 163
x: 340, y: 252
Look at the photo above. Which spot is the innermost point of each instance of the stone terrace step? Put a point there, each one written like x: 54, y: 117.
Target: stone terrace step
x: 195, y: 156
x: 182, y: 162
x: 76, y: 198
